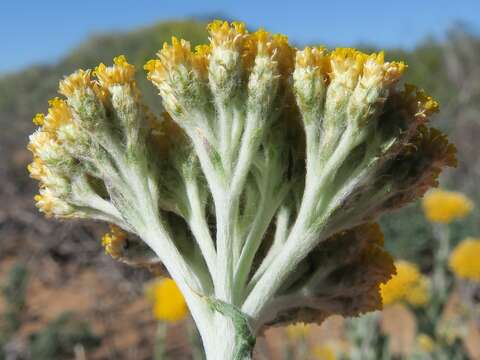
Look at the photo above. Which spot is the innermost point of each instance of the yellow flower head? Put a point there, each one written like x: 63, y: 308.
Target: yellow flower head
x: 263, y: 43
x: 298, y: 331
x: 120, y: 73
x: 178, y: 57
x: 168, y: 302
x: 465, y: 259
x: 114, y: 241
x: 39, y: 119
x: 223, y: 34
x: 77, y: 81
x: 37, y: 169
x: 442, y: 206
x: 418, y: 103
x: 408, y: 285
x: 316, y: 58
x: 324, y: 352
x: 48, y: 203
x: 59, y: 114
x: 425, y: 343
x: 349, y: 65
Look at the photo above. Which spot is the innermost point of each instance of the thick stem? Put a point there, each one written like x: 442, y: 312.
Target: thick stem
x: 224, y: 266
x: 226, y: 341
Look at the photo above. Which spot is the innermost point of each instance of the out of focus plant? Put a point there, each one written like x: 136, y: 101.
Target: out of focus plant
x: 416, y: 323
x: 464, y: 263
x: 60, y: 337
x: 168, y: 307
x: 297, y: 347
x: 14, y: 295
x: 258, y: 188
x: 465, y: 260
x: 442, y: 207
x: 56, y: 340
x: 168, y: 302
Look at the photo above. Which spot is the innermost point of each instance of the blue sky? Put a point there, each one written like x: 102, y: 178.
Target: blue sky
x: 37, y: 31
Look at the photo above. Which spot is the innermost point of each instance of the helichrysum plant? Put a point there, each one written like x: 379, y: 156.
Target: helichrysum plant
x: 259, y: 187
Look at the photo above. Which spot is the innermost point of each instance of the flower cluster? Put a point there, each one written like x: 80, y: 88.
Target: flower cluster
x: 465, y: 260
x: 443, y: 206
x: 408, y: 285
x: 259, y: 187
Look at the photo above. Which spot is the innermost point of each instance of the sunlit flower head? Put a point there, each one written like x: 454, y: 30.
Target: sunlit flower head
x: 443, y: 206
x: 168, y: 302
x: 408, y: 285
x: 465, y: 259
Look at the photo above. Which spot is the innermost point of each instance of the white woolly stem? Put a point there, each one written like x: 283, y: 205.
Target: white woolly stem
x: 199, y: 226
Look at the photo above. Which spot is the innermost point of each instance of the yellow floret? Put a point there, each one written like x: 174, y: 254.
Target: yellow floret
x: 316, y: 58
x: 114, y: 241
x: 173, y: 56
x: 39, y: 119
x: 425, y: 343
x: 59, y: 114
x: 465, y: 259
x: 168, y: 302
x: 37, y: 169
x: 223, y: 34
x: 347, y: 60
x: 442, y: 206
x: 77, y: 81
x: 200, y: 58
x: 120, y: 73
x: 419, y: 102
x: 408, y: 285
x: 48, y: 203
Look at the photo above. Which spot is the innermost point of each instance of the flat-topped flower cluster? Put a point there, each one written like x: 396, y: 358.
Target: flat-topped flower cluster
x: 260, y: 184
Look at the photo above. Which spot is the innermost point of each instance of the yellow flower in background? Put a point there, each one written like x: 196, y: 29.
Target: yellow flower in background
x: 443, y: 206
x: 425, y: 343
x: 418, y: 294
x: 168, y: 302
x: 114, y: 241
x: 465, y: 259
x: 298, y: 331
x: 324, y: 352
x: 407, y: 285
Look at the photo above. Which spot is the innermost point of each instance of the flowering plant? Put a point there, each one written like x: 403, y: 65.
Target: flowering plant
x: 259, y: 186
